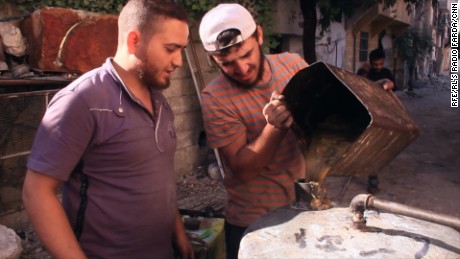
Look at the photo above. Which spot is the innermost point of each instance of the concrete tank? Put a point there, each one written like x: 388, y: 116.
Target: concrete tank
x: 292, y: 233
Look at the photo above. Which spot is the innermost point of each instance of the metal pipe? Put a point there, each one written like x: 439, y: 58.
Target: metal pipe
x: 362, y: 202
x: 401, y: 209
x: 199, y: 85
x: 359, y: 203
x: 14, y: 17
x: 15, y: 155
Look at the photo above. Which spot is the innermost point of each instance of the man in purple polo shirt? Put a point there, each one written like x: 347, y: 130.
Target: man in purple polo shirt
x: 109, y: 138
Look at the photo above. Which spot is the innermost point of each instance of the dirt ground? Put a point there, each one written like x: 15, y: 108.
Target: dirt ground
x: 425, y: 175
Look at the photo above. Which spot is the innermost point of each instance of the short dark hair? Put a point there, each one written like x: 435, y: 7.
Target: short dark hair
x: 376, y: 54
x: 144, y: 14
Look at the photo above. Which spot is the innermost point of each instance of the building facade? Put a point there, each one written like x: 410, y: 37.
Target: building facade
x: 347, y: 44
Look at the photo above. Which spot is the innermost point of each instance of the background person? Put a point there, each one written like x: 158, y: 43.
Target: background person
x: 380, y: 74
x: 109, y: 139
x: 378, y: 71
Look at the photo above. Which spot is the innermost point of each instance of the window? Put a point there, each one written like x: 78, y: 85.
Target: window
x: 363, y: 46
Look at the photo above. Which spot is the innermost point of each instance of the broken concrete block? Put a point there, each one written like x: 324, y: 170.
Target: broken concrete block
x: 69, y: 40
x: 13, y: 42
x: 3, y: 65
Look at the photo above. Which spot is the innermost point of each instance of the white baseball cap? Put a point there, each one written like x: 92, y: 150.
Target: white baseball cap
x: 225, y: 17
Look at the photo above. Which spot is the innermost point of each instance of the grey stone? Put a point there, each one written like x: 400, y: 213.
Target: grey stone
x: 10, y: 244
x: 214, y: 171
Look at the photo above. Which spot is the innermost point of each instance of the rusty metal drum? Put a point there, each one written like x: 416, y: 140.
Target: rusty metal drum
x: 348, y: 124
x: 292, y: 233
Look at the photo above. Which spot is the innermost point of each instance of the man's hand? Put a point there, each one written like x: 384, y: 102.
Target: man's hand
x: 276, y: 112
x: 386, y: 84
x: 184, y: 247
x: 181, y: 241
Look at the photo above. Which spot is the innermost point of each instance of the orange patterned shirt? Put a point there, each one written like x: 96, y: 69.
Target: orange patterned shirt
x: 228, y: 111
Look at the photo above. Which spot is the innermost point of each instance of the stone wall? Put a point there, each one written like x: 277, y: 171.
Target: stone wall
x: 183, y: 98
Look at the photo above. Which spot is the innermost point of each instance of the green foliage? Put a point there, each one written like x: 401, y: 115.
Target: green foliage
x: 111, y: 6
x: 413, y: 45
x: 198, y: 8
x: 332, y: 10
x: 262, y: 11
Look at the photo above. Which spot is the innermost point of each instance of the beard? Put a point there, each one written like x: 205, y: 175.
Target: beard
x: 260, y: 73
x: 149, y: 75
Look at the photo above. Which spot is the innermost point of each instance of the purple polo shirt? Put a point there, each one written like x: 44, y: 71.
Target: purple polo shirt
x: 128, y: 158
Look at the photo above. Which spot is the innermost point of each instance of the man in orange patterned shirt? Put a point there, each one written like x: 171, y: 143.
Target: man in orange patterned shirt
x: 246, y: 119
